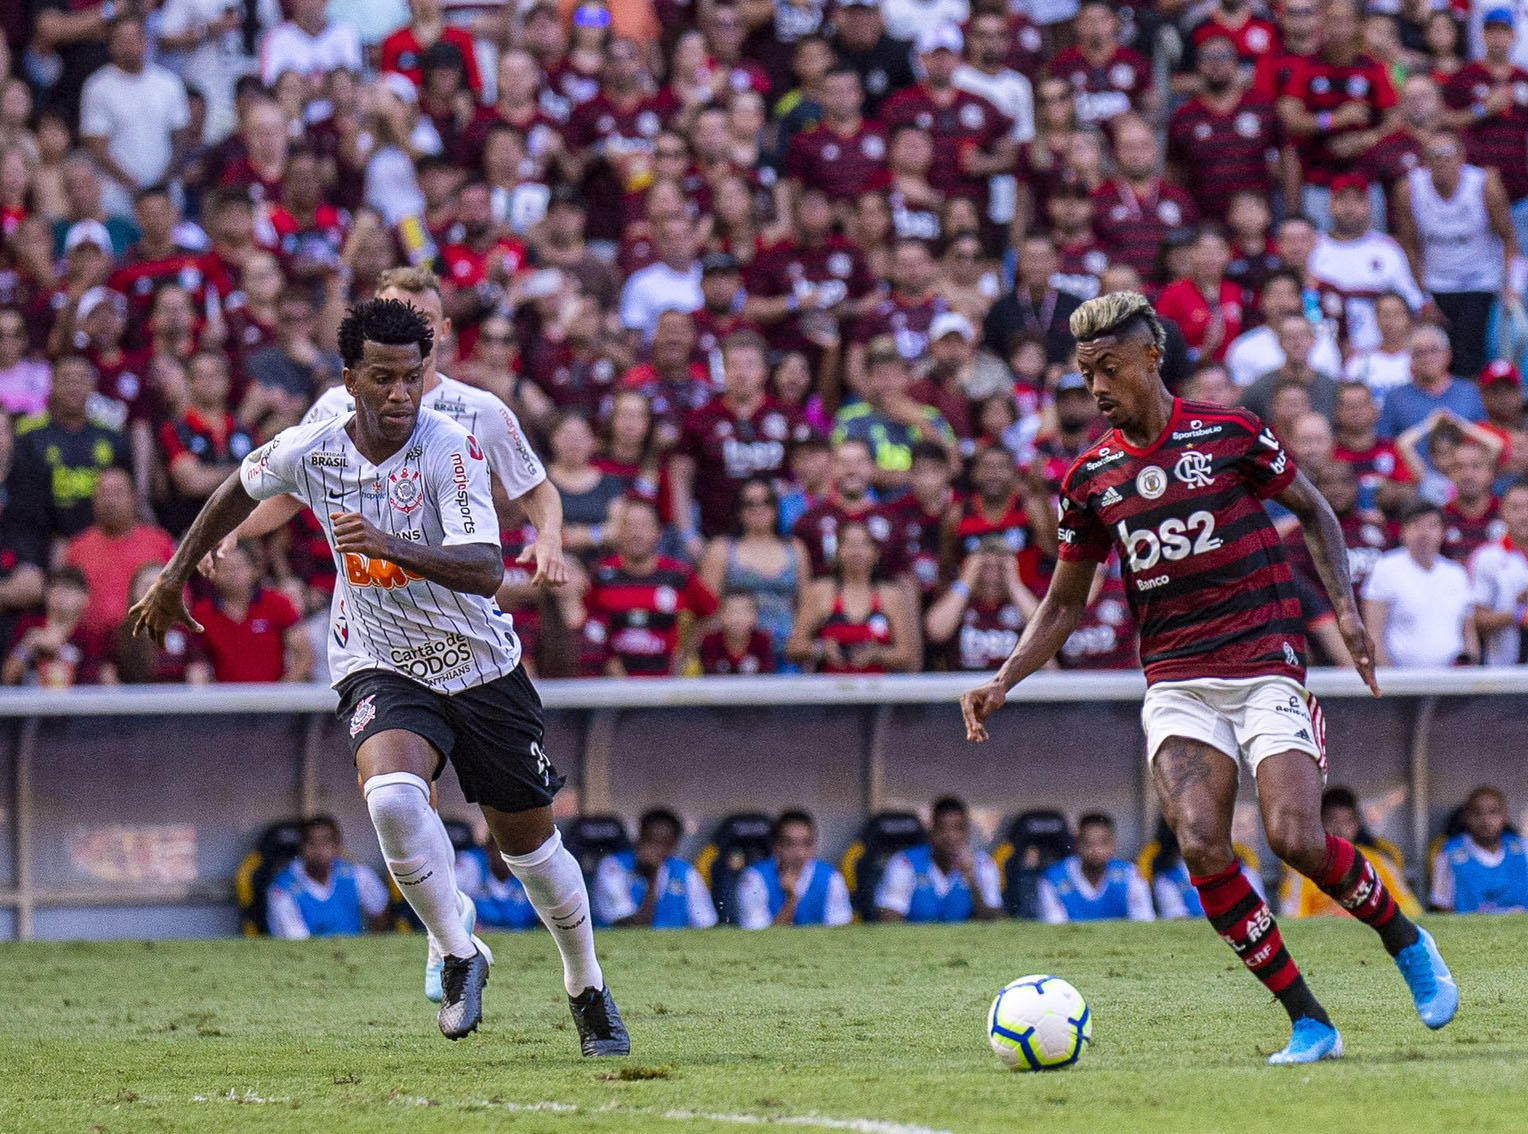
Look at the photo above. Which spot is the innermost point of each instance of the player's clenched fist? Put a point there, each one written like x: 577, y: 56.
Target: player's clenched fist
x: 356, y: 534
x: 976, y: 705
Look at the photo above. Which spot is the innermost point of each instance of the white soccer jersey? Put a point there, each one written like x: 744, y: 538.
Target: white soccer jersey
x: 1360, y: 271
x: 480, y: 413
x: 433, y: 490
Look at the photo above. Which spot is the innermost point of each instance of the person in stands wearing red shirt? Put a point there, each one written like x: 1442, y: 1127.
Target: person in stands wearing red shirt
x: 844, y: 153
x: 1472, y: 517
x: 426, y: 27
x: 1218, y: 142
x: 1109, y: 80
x: 1383, y: 479
x: 203, y: 447
x: 112, y: 550
x: 642, y: 606
x: 850, y: 621
x: 740, y: 434
x: 250, y: 632
x: 1206, y: 306
x: 977, y: 621
x: 52, y: 649
x: 1335, y: 106
x: 1135, y: 209
x: 848, y: 499
x: 1012, y: 505
x: 1235, y: 21
x: 1299, y: 40
x: 738, y: 646
x: 479, y: 267
x: 973, y: 140
x: 1487, y: 101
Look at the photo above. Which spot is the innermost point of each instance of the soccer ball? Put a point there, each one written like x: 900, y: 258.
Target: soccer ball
x: 1039, y: 1023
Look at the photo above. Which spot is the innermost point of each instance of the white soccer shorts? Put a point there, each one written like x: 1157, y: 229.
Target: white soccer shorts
x: 1250, y: 718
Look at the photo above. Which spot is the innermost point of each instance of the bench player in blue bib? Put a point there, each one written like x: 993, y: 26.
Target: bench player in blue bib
x: 321, y: 894
x: 1484, y: 870
x: 793, y: 886
x: 1093, y: 885
x: 944, y: 880
x: 650, y: 885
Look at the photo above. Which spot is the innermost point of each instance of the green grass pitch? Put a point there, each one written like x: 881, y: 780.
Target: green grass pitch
x: 872, y: 1029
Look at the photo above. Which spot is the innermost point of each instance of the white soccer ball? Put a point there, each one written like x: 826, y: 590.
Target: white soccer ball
x: 1039, y: 1023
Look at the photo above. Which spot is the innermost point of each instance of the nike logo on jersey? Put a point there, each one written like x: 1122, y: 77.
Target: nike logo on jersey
x: 338, y: 493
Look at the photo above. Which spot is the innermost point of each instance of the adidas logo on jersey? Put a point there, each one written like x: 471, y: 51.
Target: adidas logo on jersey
x: 1111, y: 496
x: 1302, y: 735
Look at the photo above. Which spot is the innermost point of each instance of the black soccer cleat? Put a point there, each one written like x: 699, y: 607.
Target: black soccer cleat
x: 461, y: 1005
x: 600, y: 1031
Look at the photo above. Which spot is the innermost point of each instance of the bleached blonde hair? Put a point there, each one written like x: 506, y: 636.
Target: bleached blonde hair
x: 413, y: 279
x: 1109, y: 314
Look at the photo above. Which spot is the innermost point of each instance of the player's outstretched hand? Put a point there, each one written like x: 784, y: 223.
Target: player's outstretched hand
x: 356, y: 534
x: 1360, y: 646
x: 163, y: 607
x: 208, y: 567
x: 551, y: 567
x: 976, y: 705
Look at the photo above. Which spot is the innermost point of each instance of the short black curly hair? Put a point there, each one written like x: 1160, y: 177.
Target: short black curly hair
x: 389, y: 321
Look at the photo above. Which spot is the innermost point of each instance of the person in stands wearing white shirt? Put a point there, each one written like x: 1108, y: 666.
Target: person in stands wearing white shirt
x: 1354, y: 263
x: 133, y: 116
x: 207, y: 43
x: 986, y: 73
x: 1455, y: 223
x: 671, y: 283
x: 1418, y: 604
x: 1257, y: 352
x: 1387, y: 364
x: 793, y: 886
x: 308, y: 44
x: 1499, y: 582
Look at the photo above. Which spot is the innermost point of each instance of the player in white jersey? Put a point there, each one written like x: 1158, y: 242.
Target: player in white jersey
x: 1354, y: 265
x: 427, y: 667
x: 514, y: 466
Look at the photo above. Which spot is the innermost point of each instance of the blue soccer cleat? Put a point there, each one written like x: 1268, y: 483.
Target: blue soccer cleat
x: 1433, y: 989
x: 435, y: 963
x: 1309, y: 1042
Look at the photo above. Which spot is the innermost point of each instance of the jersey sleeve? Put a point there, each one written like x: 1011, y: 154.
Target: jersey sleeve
x: 1265, y: 466
x: 840, y: 910
x: 509, y: 454
x: 462, y: 491
x: 612, y: 892
x: 372, y: 893
x: 895, y: 893
x: 752, y: 901
x: 283, y: 916
x: 1441, y: 893
x: 1138, y: 898
x: 271, y: 469
x: 1080, y: 533
x: 702, y: 909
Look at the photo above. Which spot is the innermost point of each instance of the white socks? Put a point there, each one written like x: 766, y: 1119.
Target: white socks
x: 555, y: 886
x: 419, y: 854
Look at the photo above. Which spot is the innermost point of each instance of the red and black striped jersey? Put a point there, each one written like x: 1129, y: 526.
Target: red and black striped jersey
x: 639, y: 614
x: 1208, y: 581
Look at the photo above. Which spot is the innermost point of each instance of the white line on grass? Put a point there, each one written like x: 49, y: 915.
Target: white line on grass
x: 808, y: 1121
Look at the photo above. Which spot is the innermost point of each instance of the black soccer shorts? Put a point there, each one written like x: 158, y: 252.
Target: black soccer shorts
x: 492, y: 734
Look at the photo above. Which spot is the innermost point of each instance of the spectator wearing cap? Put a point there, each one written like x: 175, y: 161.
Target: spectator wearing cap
x: 1455, y: 223
x: 308, y: 44
x: 1218, y: 141
x: 1417, y: 604
x: 1035, y: 306
x: 1487, y: 100
x: 672, y: 283
x: 1498, y: 571
x: 1432, y: 387
x: 1109, y: 79
x: 882, y: 61
x: 87, y: 260
x: 210, y: 44
x: 889, y: 420
x: 402, y: 51
x: 948, y: 372
x: 1353, y: 263
x: 1297, y: 343
x: 24, y: 380
x: 723, y: 299
x: 1206, y: 306
x: 1335, y: 105
x: 973, y: 140
x: 1136, y: 209
x: 59, y: 455
x: 1501, y: 392
x: 133, y: 115
x: 111, y: 551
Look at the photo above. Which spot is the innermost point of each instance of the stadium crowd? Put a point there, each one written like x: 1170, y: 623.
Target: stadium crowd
x: 759, y: 872
x: 779, y: 289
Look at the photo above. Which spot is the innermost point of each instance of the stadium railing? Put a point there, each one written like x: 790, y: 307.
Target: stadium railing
x: 128, y: 807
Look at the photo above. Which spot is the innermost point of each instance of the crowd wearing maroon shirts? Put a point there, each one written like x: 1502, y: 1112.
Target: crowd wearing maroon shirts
x: 780, y: 292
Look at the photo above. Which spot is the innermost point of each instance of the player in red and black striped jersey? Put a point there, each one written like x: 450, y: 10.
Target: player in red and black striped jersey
x: 1178, y: 489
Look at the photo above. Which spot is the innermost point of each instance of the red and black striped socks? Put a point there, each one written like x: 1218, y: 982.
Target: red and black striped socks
x: 1245, y: 923
x: 1349, y: 880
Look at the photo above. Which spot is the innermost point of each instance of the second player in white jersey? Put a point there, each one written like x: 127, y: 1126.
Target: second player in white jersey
x: 434, y: 491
